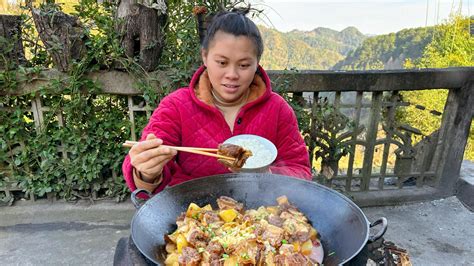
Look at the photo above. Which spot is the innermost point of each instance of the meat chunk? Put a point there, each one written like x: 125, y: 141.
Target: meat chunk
x: 287, y: 249
x: 297, y: 230
x: 297, y: 215
x: 210, y: 217
x: 216, y: 262
x: 248, y: 251
x: 273, y: 234
x: 197, y: 238
x: 189, y: 257
x: 260, y: 257
x: 284, y: 204
x: 226, y: 203
x: 215, y: 248
x: 247, y: 218
x: 280, y: 260
x: 230, y: 150
x: 275, y: 220
x: 300, y: 236
x: 297, y: 259
x: 293, y: 259
x: 258, y: 230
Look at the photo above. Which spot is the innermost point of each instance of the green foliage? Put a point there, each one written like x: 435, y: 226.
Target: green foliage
x: 452, y: 46
x: 303, y: 114
x: 181, y: 54
x: 387, y: 51
x: 328, y: 126
x: 317, y: 49
x: 88, y: 128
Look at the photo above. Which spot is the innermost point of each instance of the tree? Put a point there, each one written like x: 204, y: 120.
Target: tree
x: 452, y: 46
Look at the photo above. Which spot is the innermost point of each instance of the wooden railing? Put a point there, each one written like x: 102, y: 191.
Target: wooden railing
x: 432, y: 166
x: 393, y: 169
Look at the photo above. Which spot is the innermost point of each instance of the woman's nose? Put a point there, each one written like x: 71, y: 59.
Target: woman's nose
x: 232, y: 73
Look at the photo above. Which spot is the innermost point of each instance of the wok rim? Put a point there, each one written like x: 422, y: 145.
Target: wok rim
x: 247, y: 175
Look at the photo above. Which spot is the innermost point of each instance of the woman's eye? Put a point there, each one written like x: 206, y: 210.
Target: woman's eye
x: 222, y: 63
x: 244, y: 65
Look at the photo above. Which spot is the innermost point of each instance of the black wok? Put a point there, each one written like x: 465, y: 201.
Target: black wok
x: 343, y: 227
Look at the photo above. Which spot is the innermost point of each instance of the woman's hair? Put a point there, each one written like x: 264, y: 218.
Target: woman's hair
x: 234, y: 22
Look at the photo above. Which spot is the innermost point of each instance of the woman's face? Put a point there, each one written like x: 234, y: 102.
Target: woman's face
x: 231, y: 63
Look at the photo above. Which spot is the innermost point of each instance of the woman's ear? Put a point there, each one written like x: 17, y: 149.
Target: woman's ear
x: 204, y: 56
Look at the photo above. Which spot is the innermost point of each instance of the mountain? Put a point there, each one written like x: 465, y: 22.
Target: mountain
x: 320, y: 48
x: 349, y: 49
x: 388, y: 51
x: 324, y: 38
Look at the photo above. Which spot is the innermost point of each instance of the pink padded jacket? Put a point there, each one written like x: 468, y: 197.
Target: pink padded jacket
x: 188, y: 118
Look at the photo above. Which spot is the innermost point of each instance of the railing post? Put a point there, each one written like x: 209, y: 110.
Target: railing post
x: 371, y: 137
x: 455, y: 126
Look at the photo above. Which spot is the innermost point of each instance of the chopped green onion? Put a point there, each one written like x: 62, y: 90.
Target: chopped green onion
x: 225, y: 256
x: 332, y: 253
x: 284, y: 241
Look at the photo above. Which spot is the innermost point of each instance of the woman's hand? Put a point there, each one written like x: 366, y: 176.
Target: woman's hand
x: 233, y: 170
x: 149, y: 158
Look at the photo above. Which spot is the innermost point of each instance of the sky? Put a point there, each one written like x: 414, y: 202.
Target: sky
x: 369, y: 16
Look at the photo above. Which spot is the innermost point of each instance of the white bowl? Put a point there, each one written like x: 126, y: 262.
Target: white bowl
x: 264, y: 152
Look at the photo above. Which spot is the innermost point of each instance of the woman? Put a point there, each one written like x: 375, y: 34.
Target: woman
x: 229, y: 95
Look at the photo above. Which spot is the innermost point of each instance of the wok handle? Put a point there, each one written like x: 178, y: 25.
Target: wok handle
x: 137, y: 202
x: 379, y: 234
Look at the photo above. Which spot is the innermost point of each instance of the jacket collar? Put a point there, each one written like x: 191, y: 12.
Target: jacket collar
x: 200, y: 84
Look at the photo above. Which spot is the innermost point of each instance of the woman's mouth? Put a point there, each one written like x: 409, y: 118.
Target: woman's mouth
x: 230, y: 88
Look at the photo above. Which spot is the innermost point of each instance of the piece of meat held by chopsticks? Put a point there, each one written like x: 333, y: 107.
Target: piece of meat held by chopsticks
x: 230, y: 150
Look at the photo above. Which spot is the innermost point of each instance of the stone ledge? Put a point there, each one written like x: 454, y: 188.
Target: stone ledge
x: 123, y: 83
x: 465, y: 193
x: 395, y: 196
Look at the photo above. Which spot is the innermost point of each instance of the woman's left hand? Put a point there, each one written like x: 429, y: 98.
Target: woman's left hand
x: 234, y: 170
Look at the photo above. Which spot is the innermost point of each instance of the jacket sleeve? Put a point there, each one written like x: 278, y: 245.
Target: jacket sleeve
x: 165, y: 123
x: 293, y: 157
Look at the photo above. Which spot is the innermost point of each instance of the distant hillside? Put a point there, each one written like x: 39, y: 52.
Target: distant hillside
x: 349, y: 49
x: 320, y: 48
x: 343, y: 41
x: 387, y: 51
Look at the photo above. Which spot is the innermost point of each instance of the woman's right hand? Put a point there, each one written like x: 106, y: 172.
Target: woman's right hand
x: 149, y: 158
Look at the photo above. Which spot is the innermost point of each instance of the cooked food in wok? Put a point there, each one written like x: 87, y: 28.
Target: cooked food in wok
x: 230, y: 150
x: 231, y: 235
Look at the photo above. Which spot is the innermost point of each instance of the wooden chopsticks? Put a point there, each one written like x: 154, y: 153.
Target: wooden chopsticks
x: 203, y: 151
